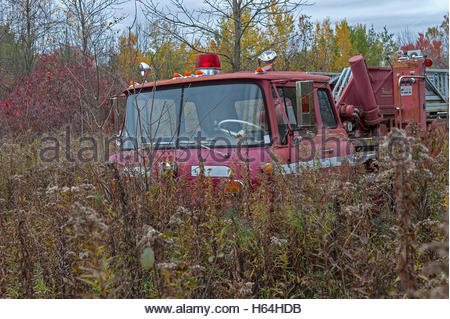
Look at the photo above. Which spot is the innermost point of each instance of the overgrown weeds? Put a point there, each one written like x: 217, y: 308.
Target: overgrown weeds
x: 87, y: 230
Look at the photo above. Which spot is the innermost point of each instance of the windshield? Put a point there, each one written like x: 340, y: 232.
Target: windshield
x: 212, y: 115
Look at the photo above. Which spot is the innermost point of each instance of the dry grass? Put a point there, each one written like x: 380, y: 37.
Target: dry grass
x: 80, y: 230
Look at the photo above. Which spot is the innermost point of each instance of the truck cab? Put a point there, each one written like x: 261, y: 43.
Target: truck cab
x: 227, y: 126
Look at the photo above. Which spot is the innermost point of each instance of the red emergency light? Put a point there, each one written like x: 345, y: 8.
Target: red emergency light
x: 428, y: 62
x: 208, y: 63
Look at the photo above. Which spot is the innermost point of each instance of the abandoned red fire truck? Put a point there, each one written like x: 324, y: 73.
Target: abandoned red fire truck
x: 222, y: 124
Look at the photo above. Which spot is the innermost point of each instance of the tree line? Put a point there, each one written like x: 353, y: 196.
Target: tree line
x: 64, y: 59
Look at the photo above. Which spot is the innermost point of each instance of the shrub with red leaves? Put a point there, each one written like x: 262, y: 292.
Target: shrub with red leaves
x: 431, y: 47
x: 59, y: 92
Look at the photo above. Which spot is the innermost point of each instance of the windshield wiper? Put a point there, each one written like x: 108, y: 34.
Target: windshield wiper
x: 205, y: 146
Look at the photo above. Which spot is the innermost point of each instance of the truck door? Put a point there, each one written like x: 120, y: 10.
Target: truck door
x: 330, y: 151
x: 307, y: 141
x: 297, y: 136
x: 335, y: 146
x: 318, y: 112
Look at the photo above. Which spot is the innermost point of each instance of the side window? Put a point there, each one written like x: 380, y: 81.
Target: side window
x: 287, y: 96
x: 308, y: 118
x: 288, y: 106
x: 326, y: 109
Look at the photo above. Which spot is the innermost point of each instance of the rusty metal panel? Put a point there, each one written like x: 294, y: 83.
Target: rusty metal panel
x: 409, y: 92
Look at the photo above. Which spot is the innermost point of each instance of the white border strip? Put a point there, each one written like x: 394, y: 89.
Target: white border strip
x: 310, y: 309
x: 211, y: 171
x: 352, y: 159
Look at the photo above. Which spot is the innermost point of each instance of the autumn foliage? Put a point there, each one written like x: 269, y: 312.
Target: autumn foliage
x: 78, y: 230
x: 430, y: 47
x: 54, y: 95
x: 71, y: 229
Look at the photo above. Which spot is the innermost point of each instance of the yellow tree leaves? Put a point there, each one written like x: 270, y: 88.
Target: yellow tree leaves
x: 252, y: 42
x: 323, y: 50
x: 323, y: 47
x: 332, y: 47
x: 280, y: 33
x: 170, y: 57
x: 344, y: 49
x: 276, y: 35
x: 165, y: 57
x: 129, y: 57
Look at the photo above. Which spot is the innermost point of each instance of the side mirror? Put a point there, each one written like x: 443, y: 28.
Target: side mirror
x: 306, y: 119
x: 144, y: 69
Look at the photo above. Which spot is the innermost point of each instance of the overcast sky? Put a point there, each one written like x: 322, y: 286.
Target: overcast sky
x: 396, y: 15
